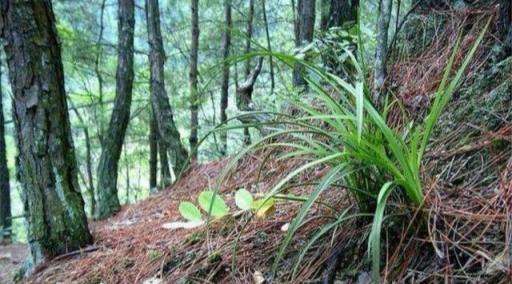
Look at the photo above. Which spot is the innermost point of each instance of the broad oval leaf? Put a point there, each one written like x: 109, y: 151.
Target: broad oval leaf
x: 263, y: 207
x: 218, y: 206
x: 243, y: 199
x: 189, y: 211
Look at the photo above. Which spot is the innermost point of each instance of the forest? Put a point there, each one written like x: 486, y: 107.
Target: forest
x: 255, y: 141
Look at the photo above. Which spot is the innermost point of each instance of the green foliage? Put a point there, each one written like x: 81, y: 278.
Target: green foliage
x: 212, y: 204
x: 349, y: 135
x: 243, y: 199
x: 189, y: 211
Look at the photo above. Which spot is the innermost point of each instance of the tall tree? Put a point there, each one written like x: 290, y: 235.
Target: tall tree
x: 5, y: 194
x: 505, y: 24
x: 159, y: 99
x: 304, y: 35
x: 108, y: 201
x: 339, y: 12
x: 153, y: 152
x: 248, y: 39
x: 194, y: 99
x: 381, y: 52
x: 47, y: 167
x: 165, y: 171
x: 269, y: 46
x: 226, y: 45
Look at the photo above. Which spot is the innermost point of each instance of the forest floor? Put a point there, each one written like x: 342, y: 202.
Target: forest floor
x: 134, y: 247
x: 462, y: 234
x: 12, y: 257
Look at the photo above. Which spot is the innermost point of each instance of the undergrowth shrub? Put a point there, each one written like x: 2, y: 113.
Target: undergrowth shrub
x: 339, y: 127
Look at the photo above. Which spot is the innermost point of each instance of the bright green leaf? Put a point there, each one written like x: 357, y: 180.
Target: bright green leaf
x: 189, y: 211
x: 243, y: 199
x: 213, y: 204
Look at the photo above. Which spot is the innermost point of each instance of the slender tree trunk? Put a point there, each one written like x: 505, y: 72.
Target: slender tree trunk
x: 153, y: 152
x: 381, y: 51
x: 165, y: 171
x: 248, y: 40
x: 194, y: 98
x: 108, y: 201
x: 159, y: 99
x: 99, y: 77
x: 127, y: 173
x: 5, y: 191
x: 47, y: 167
x: 306, y: 28
x: 90, y: 180
x: 269, y: 46
x: 226, y: 45
x: 88, y: 161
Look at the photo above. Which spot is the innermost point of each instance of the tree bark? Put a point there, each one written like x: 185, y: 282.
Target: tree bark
x: 341, y: 11
x: 88, y: 161
x: 226, y: 45
x: 269, y: 46
x: 47, y: 167
x: 153, y: 152
x: 306, y: 28
x: 194, y: 98
x: 381, y: 52
x: 165, y: 171
x: 248, y: 40
x: 159, y: 99
x: 108, y: 201
x: 505, y: 25
x: 5, y: 190
x: 99, y: 77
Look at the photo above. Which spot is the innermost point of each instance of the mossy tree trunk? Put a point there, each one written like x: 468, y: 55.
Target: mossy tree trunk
x: 5, y: 194
x: 381, y: 52
x: 108, y: 201
x: 47, y: 168
x: 159, y: 100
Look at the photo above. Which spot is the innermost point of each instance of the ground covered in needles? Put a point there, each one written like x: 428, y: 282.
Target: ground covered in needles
x: 462, y: 233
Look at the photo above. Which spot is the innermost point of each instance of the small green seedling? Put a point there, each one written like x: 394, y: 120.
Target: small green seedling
x: 192, y: 213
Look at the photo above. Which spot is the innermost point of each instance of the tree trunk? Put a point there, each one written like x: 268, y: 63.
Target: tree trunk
x: 505, y: 25
x: 99, y: 77
x: 306, y: 28
x: 159, y: 99
x: 248, y: 40
x: 108, y: 201
x: 5, y: 192
x: 153, y: 152
x: 47, y: 167
x: 194, y: 98
x: 381, y: 52
x: 90, y: 180
x: 165, y: 171
x: 88, y: 161
x: 269, y: 46
x: 342, y: 11
x: 226, y: 45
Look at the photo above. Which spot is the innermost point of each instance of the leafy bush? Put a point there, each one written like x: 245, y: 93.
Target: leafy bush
x: 348, y: 134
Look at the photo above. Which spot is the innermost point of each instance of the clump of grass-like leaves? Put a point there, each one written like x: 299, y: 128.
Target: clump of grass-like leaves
x: 366, y: 155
